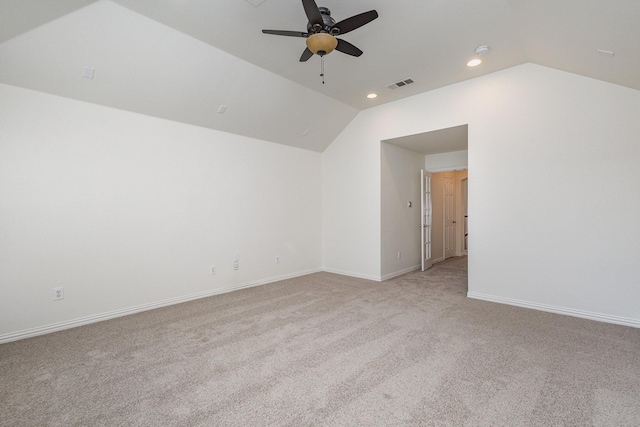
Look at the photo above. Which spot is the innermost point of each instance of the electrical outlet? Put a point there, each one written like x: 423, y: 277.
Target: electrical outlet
x: 58, y: 293
x: 213, y: 270
x: 277, y: 259
x: 399, y: 254
x: 236, y: 261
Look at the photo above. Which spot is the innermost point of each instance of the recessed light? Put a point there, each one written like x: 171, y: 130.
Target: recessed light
x: 372, y: 95
x: 480, y: 51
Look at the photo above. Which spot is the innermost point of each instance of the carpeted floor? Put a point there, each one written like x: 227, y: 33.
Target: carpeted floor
x: 329, y: 350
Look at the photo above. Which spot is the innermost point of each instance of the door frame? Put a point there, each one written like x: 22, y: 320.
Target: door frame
x: 426, y: 222
x: 449, y: 223
x: 461, y: 175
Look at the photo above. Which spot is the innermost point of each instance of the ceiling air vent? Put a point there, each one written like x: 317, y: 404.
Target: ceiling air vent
x: 401, y: 83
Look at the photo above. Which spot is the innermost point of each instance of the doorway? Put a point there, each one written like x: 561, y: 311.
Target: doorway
x: 449, y: 227
x: 442, y: 150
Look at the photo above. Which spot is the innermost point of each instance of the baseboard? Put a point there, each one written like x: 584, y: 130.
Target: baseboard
x: 55, y: 327
x: 625, y: 321
x: 435, y: 261
x: 400, y: 272
x: 352, y: 274
x: 370, y: 276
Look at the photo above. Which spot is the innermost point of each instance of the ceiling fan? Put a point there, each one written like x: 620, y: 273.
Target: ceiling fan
x: 322, y: 30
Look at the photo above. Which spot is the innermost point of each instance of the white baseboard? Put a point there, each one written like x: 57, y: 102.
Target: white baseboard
x: 352, y: 274
x: 68, y: 324
x: 371, y: 276
x: 625, y: 321
x: 399, y: 272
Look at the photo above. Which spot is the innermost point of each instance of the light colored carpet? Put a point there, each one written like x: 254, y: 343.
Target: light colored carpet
x: 328, y: 350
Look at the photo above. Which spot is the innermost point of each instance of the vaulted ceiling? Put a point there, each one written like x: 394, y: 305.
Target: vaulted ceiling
x: 182, y: 59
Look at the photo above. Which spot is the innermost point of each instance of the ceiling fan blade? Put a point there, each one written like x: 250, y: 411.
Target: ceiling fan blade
x: 356, y: 21
x: 306, y: 55
x: 313, y: 13
x: 348, y: 48
x: 286, y: 33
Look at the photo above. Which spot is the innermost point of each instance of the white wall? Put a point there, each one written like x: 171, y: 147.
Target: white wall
x: 351, y: 203
x: 552, y: 211
x: 127, y: 211
x: 400, y: 184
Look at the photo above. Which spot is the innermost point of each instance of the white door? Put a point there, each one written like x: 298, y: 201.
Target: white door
x: 425, y: 221
x: 449, y: 217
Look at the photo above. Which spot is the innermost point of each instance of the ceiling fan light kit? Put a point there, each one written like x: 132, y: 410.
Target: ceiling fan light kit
x: 321, y: 43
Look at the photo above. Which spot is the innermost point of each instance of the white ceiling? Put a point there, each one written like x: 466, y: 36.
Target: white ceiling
x: 182, y: 59
x: 435, y: 142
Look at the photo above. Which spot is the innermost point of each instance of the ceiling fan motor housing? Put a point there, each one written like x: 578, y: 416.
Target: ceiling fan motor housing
x: 328, y: 23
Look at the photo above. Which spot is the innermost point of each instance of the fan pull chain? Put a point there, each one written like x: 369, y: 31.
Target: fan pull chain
x: 322, y: 68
